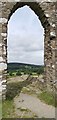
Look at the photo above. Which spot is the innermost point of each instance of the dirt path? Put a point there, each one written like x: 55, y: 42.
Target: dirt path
x: 35, y: 105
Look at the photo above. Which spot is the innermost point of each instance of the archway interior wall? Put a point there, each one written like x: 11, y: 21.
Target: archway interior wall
x: 45, y: 11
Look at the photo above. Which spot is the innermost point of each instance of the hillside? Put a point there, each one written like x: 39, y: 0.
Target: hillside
x: 22, y: 67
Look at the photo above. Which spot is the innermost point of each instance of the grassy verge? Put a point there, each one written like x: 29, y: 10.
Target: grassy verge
x: 8, y: 109
x: 44, y: 96
x: 0, y: 109
x: 15, y: 88
x: 48, y: 98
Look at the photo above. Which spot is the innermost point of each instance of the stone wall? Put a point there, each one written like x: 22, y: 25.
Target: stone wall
x: 47, y: 15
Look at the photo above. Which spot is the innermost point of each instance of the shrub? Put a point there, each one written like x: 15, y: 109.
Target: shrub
x: 18, y: 73
x: 10, y: 73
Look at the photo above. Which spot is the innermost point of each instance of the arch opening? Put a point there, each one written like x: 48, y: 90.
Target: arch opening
x: 44, y: 22
x: 25, y: 24
x: 35, y: 7
x: 26, y: 45
x: 10, y: 8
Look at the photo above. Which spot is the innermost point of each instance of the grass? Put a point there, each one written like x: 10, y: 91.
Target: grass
x: 15, y: 88
x: 8, y: 109
x: 26, y: 113
x: 0, y: 109
x: 28, y: 90
x: 44, y: 96
x: 26, y: 86
x: 12, y: 90
x: 48, y: 98
x: 32, y: 89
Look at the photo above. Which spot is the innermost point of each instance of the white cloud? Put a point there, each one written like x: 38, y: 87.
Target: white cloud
x: 25, y: 37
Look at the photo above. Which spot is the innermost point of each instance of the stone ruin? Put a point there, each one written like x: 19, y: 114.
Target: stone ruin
x: 47, y: 12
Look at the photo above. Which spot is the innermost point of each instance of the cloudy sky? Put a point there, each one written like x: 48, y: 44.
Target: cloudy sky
x: 25, y: 37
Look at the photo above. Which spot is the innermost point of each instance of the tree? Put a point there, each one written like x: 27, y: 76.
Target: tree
x: 10, y: 73
x: 18, y: 73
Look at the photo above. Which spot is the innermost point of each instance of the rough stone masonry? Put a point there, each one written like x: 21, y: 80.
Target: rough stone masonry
x: 47, y: 12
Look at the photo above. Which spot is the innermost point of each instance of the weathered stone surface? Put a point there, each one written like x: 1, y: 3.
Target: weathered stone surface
x: 47, y: 12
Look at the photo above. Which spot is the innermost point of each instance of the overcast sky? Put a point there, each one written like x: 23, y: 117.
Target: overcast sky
x: 25, y: 37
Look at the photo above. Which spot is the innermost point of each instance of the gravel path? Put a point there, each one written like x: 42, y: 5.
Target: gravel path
x: 35, y: 105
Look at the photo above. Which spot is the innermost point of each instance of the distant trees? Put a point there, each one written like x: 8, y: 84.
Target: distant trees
x: 24, y: 73
x: 10, y: 74
x: 18, y: 73
x: 40, y: 71
x: 19, y: 69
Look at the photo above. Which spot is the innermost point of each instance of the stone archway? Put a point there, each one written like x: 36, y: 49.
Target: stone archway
x: 46, y: 13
